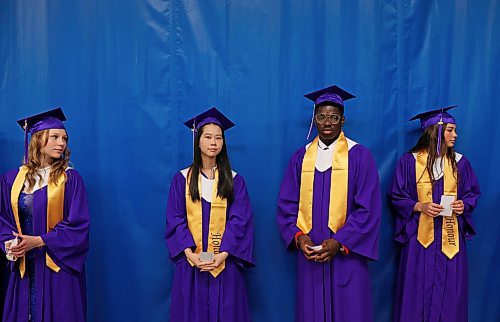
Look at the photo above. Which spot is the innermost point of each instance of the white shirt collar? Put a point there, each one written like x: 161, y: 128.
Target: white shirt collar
x: 206, y: 184
x: 41, y: 179
x: 437, y: 167
x: 323, y: 146
x: 325, y: 156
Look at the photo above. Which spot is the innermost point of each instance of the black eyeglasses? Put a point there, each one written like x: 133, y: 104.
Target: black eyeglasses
x: 321, y: 118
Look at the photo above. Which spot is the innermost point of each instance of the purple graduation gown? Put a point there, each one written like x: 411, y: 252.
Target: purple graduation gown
x: 198, y: 296
x: 59, y: 296
x: 431, y: 287
x: 339, y: 290
x: 3, y: 281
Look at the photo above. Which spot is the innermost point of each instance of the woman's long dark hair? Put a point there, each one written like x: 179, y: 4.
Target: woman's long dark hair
x: 226, y: 184
x: 428, y: 142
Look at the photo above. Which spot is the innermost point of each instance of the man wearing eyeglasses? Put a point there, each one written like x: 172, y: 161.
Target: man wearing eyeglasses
x: 329, y: 211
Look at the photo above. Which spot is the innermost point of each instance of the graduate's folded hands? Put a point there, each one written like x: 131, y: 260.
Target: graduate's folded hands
x: 26, y: 244
x: 218, y: 260
x: 330, y: 248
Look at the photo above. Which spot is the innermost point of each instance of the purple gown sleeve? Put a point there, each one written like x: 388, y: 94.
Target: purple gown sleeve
x: 7, y: 224
x: 68, y: 242
x: 178, y: 236
x: 360, y: 232
x: 238, y: 235
x: 403, y: 197
x: 288, y: 200
x: 468, y: 192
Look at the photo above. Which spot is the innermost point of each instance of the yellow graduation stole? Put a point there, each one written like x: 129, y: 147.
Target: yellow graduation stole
x: 217, y: 225
x: 55, y: 209
x: 449, y: 241
x: 338, y: 188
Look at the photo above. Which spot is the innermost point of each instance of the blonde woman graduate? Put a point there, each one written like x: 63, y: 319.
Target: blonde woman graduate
x: 44, y: 228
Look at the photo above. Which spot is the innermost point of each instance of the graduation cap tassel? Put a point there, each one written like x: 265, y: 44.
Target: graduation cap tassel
x: 194, y: 132
x: 439, y: 136
x: 312, y: 121
x: 440, y: 130
x: 26, y: 140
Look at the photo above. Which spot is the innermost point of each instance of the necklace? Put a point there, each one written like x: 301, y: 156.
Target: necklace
x: 213, y: 171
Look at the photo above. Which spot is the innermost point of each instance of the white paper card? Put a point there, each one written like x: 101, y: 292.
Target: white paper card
x: 9, y: 244
x: 315, y: 248
x: 206, y: 257
x: 446, y: 201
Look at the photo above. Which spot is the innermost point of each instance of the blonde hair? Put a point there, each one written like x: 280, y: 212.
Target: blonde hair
x: 35, y: 156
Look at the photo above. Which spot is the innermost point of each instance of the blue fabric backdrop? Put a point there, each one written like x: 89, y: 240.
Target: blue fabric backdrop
x: 127, y: 73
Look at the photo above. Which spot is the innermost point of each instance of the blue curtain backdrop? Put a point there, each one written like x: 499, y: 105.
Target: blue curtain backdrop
x: 127, y: 73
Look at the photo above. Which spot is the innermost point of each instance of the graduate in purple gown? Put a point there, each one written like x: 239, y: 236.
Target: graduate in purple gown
x: 432, y: 284
x: 329, y: 210
x: 209, y: 231
x: 43, y: 207
x: 3, y: 281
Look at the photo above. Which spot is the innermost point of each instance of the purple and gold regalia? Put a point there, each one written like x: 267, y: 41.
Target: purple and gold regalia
x: 339, y: 290
x: 42, y: 292
x: 199, y: 296
x: 430, y: 286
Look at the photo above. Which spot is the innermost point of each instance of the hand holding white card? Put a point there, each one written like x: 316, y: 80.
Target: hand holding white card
x: 8, y: 244
x: 206, y: 257
x: 446, y: 201
x: 315, y: 248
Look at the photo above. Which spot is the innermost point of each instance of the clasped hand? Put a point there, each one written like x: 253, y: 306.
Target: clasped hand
x: 205, y: 266
x: 330, y: 248
x: 26, y: 244
x: 433, y: 209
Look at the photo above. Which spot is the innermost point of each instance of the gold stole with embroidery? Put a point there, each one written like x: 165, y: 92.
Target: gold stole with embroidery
x: 338, y: 188
x: 217, y: 225
x: 449, y: 241
x: 55, y: 209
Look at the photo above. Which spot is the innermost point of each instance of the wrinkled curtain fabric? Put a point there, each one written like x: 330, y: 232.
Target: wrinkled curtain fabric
x: 127, y: 73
